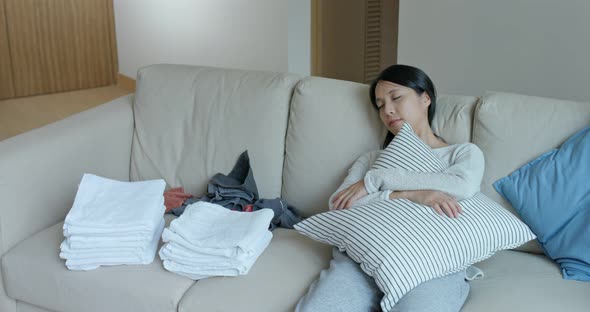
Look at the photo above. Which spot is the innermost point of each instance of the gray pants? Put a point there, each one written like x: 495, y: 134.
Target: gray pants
x: 345, y: 287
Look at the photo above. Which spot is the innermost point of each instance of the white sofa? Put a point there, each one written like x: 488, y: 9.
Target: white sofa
x: 186, y: 123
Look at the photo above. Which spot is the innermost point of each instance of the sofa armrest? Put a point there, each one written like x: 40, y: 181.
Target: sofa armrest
x: 40, y: 169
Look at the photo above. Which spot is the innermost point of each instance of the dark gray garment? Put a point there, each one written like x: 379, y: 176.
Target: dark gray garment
x: 238, y: 189
x: 285, y: 216
x: 235, y: 190
x: 230, y: 198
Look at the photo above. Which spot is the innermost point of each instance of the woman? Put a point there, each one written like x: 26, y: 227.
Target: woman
x: 401, y: 94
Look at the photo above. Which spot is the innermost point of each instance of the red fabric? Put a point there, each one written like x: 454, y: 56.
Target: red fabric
x: 177, y: 192
x: 248, y: 208
x: 175, y: 197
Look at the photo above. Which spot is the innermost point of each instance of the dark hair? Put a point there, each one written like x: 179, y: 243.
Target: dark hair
x: 407, y: 76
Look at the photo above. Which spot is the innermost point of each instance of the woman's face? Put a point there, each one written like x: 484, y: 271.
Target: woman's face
x: 398, y: 104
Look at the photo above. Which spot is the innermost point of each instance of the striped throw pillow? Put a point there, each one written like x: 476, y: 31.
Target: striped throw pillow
x: 408, y: 151
x: 402, y: 244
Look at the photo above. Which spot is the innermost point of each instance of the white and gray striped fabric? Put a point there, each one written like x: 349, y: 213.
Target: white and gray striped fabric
x: 408, y: 151
x: 403, y: 244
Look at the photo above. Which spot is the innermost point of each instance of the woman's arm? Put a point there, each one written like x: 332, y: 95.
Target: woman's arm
x: 441, y: 202
x: 460, y: 180
x: 357, y: 173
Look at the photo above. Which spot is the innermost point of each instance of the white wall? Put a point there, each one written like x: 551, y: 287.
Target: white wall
x: 299, y: 36
x: 535, y: 47
x: 244, y: 34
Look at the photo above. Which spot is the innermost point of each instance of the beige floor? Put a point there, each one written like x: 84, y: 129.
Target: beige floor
x: 23, y: 114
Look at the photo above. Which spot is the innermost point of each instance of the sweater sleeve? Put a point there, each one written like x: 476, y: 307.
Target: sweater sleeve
x: 461, y: 179
x: 356, y: 173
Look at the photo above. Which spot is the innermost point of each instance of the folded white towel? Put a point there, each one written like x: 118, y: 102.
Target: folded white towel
x: 146, y: 257
x: 174, y: 247
x: 173, y: 252
x: 200, y: 271
x: 170, y: 266
x: 107, y: 206
x: 127, y: 241
x: 108, y: 233
x: 131, y: 227
x: 74, y: 253
x: 169, y: 236
x: 212, y: 226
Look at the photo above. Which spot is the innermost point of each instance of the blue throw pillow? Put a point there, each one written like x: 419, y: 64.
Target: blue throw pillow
x: 552, y: 195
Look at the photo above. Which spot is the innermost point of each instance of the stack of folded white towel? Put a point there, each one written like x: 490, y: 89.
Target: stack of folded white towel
x: 113, y: 223
x: 210, y: 240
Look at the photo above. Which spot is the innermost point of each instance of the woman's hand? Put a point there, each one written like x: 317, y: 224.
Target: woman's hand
x: 441, y: 202
x: 345, y: 198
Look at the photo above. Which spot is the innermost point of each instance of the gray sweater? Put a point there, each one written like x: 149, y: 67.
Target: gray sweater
x: 461, y: 179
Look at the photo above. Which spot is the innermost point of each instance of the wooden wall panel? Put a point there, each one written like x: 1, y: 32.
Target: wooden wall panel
x: 342, y: 38
x: 372, y: 53
x: 60, y: 45
x: 6, y: 86
x: 353, y: 40
x: 113, y: 39
x: 389, y: 30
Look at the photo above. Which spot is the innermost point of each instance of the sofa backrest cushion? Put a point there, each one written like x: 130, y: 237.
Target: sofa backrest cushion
x: 513, y: 129
x: 332, y: 123
x: 453, y: 118
x: 192, y: 122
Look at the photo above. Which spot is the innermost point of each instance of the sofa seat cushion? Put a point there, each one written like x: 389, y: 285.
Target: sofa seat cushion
x: 275, y: 283
x: 34, y: 273
x: 520, y: 281
x: 25, y: 307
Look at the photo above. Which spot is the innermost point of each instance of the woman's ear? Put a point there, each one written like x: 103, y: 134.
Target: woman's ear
x: 425, y: 98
